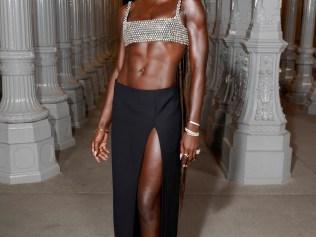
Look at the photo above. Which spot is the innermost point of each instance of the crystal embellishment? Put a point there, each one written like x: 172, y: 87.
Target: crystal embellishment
x: 160, y: 29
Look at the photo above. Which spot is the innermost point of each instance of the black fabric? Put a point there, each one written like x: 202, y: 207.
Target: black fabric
x: 135, y: 113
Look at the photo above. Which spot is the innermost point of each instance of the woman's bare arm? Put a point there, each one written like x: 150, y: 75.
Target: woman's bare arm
x: 198, y: 52
x: 98, y: 144
x: 196, y: 23
x: 105, y: 119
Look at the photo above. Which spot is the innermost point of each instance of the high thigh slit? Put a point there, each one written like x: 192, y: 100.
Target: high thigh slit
x: 149, y: 187
x: 135, y: 113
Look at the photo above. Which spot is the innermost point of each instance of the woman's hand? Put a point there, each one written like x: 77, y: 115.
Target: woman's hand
x: 188, y: 148
x: 99, y: 146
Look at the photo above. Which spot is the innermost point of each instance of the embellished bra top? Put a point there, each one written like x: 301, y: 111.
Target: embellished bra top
x: 160, y: 29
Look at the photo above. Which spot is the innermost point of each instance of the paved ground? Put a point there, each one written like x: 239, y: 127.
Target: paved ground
x: 78, y: 202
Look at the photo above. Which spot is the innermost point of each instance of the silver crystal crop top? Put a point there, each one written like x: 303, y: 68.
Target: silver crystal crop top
x: 160, y: 29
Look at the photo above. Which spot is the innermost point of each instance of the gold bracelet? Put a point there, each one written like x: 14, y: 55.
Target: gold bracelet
x: 195, y: 123
x: 103, y: 130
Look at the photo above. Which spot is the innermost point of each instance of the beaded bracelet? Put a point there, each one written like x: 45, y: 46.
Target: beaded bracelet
x: 191, y: 133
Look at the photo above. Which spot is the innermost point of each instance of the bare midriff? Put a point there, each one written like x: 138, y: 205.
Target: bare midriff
x: 151, y: 65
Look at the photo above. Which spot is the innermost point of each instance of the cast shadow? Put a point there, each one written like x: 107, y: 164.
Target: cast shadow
x: 208, y: 192
x: 290, y: 111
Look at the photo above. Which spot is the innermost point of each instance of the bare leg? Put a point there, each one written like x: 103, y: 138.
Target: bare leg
x: 149, y: 187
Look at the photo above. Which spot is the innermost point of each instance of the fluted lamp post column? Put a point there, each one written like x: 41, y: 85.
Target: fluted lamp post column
x: 98, y: 61
x: 220, y: 56
x: 103, y: 38
x: 107, y: 35
x: 100, y: 29
x: 218, y: 84
x: 236, y: 78
x: 108, y: 27
x: 67, y: 81
x: 77, y: 53
x: 220, y: 31
x: 302, y: 83
x: 87, y: 38
x: 50, y: 93
x: 261, y: 152
x: 109, y: 10
x: 94, y: 65
x: 228, y: 78
x: 289, y: 56
x: 311, y: 100
x: 26, y: 142
x: 211, y: 14
x: 102, y: 56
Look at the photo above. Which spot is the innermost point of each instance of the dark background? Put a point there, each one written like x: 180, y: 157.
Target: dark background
x: 125, y: 1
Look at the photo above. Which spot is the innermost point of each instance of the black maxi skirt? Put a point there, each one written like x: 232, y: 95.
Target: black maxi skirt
x: 135, y: 113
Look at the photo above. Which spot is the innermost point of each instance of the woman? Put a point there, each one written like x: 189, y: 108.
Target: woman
x: 143, y: 105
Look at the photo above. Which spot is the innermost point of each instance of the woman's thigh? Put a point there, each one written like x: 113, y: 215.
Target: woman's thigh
x: 150, y: 179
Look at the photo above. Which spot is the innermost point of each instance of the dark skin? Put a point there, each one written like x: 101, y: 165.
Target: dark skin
x: 153, y: 65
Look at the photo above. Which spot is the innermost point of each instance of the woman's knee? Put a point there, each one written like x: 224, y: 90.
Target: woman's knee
x: 148, y: 206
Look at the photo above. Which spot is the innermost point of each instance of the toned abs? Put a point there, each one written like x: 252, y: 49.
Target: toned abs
x: 151, y: 65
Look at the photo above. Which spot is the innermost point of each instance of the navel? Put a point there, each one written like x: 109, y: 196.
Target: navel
x: 141, y: 70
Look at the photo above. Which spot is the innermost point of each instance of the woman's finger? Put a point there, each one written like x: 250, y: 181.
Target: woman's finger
x: 92, y: 147
x: 185, y: 162
x: 192, y: 157
x: 181, y: 150
x: 103, y: 156
x: 97, y: 146
x: 97, y: 158
x: 99, y: 138
x: 183, y: 156
x: 95, y: 149
x: 107, y: 152
x: 104, y: 148
x: 186, y: 157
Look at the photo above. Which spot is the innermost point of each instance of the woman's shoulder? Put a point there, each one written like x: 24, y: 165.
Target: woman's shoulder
x: 122, y: 10
x: 194, y: 9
